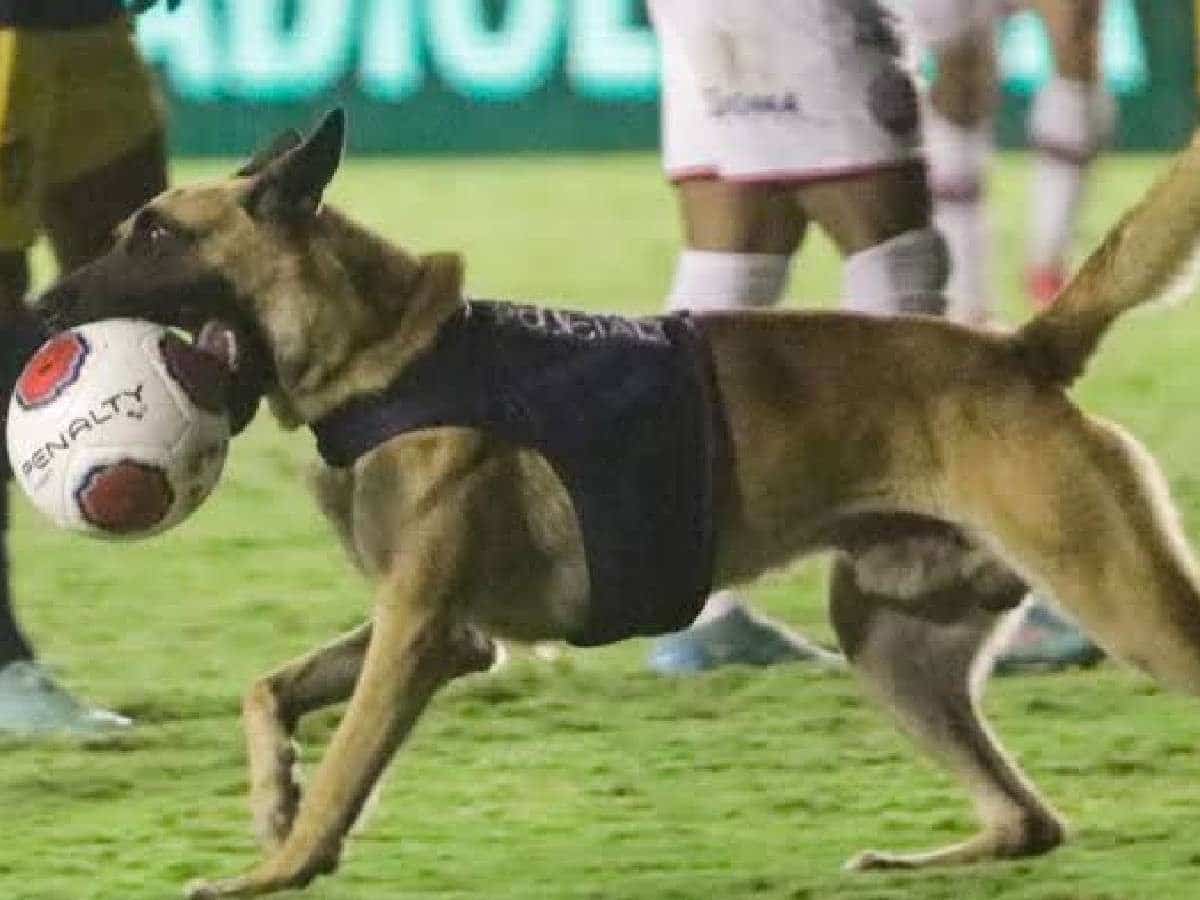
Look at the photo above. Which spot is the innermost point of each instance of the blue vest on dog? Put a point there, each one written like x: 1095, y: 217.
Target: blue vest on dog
x: 623, y: 409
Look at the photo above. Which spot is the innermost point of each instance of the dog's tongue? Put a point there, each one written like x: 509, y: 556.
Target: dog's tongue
x: 244, y: 373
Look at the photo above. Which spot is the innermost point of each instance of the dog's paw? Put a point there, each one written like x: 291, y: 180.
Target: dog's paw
x: 279, y: 873
x: 245, y: 886
x: 267, y: 879
x: 875, y: 860
x: 201, y: 889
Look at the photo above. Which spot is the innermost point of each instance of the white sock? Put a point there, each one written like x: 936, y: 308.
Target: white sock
x: 904, y: 274
x: 709, y: 279
x: 965, y: 226
x: 1055, y: 192
x: 1069, y: 121
x: 958, y: 158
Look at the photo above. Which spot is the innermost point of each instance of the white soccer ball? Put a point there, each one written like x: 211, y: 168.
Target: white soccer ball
x: 117, y: 429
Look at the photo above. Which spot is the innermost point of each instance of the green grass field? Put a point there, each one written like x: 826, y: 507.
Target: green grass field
x: 588, y: 778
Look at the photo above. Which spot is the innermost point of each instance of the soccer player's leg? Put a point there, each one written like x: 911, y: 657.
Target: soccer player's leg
x: 756, y: 140
x: 895, y: 260
x: 86, y: 148
x: 1070, y: 121
x: 738, y: 244
x: 107, y: 148
x: 739, y: 239
x: 870, y: 191
x: 958, y: 141
x: 22, y: 123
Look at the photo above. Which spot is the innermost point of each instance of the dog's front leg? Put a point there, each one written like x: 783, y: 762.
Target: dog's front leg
x: 415, y: 647
x: 271, y: 709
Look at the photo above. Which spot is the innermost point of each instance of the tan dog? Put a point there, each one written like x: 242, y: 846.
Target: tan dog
x: 947, y: 466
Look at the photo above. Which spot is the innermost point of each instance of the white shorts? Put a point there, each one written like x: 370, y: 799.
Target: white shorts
x: 782, y: 90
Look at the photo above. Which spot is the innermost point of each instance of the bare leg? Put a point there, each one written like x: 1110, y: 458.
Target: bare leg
x: 893, y: 261
x: 1074, y: 29
x: 965, y: 91
x: 739, y: 239
x: 958, y: 138
x: 859, y: 213
x: 735, y: 217
x: 1070, y: 120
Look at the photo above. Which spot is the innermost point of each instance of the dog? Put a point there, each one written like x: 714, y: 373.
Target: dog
x: 946, y: 467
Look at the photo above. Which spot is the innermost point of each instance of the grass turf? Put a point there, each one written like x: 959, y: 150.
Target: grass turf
x: 588, y: 778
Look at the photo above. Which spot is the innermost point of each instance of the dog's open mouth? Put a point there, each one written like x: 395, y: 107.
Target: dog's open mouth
x: 170, y: 290
x: 244, y: 365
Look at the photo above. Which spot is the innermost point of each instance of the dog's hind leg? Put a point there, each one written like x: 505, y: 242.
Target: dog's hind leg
x: 925, y: 658
x: 1080, y: 509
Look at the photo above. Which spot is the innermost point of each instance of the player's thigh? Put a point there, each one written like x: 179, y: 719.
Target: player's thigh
x: 739, y: 217
x: 107, y: 151
x: 865, y: 210
x: 1074, y: 28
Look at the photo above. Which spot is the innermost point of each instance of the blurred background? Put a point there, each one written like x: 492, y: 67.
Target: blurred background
x: 524, y: 133
x: 458, y: 76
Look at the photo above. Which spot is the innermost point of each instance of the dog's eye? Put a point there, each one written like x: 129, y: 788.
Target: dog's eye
x: 151, y: 232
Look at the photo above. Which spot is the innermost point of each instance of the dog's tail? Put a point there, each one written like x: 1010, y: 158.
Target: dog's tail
x: 1151, y: 254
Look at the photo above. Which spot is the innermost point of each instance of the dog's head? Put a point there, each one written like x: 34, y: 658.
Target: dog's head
x: 324, y: 308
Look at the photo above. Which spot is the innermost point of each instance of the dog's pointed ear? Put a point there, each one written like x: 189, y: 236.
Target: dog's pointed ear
x: 280, y: 144
x: 291, y: 186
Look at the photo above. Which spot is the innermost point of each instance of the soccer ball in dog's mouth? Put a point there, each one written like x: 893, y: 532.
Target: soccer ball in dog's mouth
x: 118, y: 428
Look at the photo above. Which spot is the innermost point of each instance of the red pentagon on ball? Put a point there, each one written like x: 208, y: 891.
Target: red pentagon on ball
x: 51, y: 370
x: 125, y: 497
x: 199, y: 373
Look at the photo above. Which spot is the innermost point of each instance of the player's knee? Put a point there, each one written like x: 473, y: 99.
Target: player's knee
x: 1072, y: 119
x: 905, y: 274
x: 706, y: 279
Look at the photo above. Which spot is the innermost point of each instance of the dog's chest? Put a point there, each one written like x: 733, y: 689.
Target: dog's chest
x: 621, y: 408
